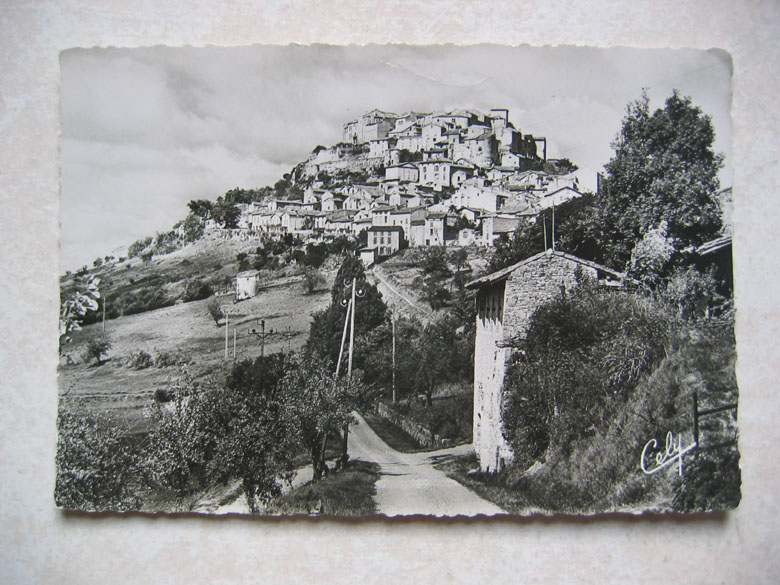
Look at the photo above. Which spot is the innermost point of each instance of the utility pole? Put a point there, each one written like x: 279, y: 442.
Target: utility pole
x: 262, y: 335
x: 227, y: 321
x: 345, y: 429
x: 104, y: 315
x: 553, y: 228
x: 392, y: 316
x: 234, y: 344
x: 351, y: 331
x: 348, y: 321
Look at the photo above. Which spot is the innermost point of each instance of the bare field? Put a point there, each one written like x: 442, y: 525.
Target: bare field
x: 188, y: 333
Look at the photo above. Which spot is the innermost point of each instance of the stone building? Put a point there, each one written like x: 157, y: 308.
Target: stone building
x: 385, y: 239
x: 506, y: 300
x: 373, y: 125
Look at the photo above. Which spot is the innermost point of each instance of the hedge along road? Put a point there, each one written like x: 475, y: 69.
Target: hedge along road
x: 409, y: 483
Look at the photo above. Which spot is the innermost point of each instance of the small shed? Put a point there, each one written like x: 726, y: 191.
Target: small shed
x: 367, y: 256
x: 247, y: 284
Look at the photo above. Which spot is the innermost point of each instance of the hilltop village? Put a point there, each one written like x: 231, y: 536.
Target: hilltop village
x: 537, y: 352
x: 453, y: 178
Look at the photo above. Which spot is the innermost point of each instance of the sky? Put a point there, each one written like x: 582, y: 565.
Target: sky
x: 145, y: 130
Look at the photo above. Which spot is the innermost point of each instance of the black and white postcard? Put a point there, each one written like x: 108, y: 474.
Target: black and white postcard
x: 396, y: 280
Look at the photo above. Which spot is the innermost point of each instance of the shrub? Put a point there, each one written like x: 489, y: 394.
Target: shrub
x: 312, y: 279
x: 583, y: 350
x: 138, y: 246
x: 165, y: 359
x: 215, y: 310
x: 97, y: 346
x: 141, y: 360
x: 196, y: 290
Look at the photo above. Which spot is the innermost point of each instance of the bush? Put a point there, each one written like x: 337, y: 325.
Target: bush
x: 141, y: 360
x: 583, y: 350
x: 165, y: 359
x: 97, y: 346
x: 138, y: 246
x: 312, y: 280
x: 215, y: 310
x: 603, y: 373
x: 196, y: 290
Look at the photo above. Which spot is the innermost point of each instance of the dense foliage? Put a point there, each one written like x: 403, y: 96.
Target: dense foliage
x: 663, y: 176
x: 600, y: 374
x: 96, y: 466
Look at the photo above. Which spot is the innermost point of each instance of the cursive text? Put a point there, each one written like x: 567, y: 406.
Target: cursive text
x: 673, y: 452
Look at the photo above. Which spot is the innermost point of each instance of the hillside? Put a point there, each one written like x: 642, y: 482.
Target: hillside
x: 181, y: 337
x: 398, y: 278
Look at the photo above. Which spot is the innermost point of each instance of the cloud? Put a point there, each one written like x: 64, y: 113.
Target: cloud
x: 145, y: 130
x: 113, y: 194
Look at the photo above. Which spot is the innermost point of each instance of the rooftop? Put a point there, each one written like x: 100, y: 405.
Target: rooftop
x: 505, y: 272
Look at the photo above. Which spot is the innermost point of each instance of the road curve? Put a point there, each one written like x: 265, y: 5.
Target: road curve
x: 409, y: 484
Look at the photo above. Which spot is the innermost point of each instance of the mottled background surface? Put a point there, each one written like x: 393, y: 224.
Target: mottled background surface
x: 39, y: 544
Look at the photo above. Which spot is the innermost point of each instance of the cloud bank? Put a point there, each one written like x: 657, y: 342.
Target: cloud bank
x: 146, y: 130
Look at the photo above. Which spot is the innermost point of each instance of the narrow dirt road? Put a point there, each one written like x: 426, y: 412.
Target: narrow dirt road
x: 394, y: 297
x: 410, y: 484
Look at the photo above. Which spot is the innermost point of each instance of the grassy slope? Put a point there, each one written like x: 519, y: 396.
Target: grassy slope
x: 402, y: 269
x: 185, y: 330
x: 602, y: 473
x: 345, y: 493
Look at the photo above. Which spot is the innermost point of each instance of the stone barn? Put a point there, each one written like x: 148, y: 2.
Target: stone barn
x: 247, y: 284
x: 505, y: 302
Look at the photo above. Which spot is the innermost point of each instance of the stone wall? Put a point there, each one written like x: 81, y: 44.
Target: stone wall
x: 310, y: 168
x: 534, y: 284
x: 489, y: 367
x: 415, y: 430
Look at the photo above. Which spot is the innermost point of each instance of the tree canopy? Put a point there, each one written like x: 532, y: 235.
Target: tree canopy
x: 327, y: 326
x: 664, y: 169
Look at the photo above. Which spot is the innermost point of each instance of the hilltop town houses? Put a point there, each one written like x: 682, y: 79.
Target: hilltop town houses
x: 453, y: 178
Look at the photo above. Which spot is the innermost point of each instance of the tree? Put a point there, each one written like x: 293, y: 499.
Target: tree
x: 436, y: 271
x: 225, y: 214
x: 245, y: 429
x: 327, y: 326
x: 200, y: 207
x: 437, y: 358
x: 75, y: 308
x: 664, y: 169
x: 374, y: 353
x: 322, y: 405
x: 192, y: 227
x: 258, y: 423
x: 95, y: 466
x: 97, y: 345
x: 312, y: 279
